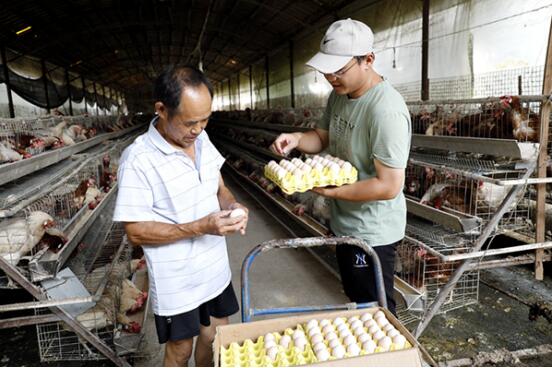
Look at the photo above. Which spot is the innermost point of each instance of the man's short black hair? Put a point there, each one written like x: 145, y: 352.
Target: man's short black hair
x: 173, y: 80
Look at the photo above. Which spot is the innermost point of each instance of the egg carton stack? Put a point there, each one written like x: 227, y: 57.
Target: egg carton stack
x: 299, y: 176
x: 323, y: 340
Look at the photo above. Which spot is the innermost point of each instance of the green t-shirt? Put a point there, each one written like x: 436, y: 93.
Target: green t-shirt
x: 373, y: 126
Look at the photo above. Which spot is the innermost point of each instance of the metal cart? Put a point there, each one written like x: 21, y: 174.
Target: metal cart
x: 248, y: 312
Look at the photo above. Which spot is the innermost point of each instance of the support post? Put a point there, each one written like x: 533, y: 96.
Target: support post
x: 96, y: 98
x: 84, y: 95
x: 239, y: 92
x: 251, y: 86
x: 44, y: 72
x: 543, y: 158
x: 68, y: 81
x: 7, y: 81
x: 425, y: 50
x: 291, y: 74
x: 267, y: 83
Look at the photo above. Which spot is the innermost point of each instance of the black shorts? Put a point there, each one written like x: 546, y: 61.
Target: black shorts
x: 357, y: 275
x: 186, y: 325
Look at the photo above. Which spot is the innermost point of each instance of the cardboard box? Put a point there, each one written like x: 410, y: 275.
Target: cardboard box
x: 410, y: 357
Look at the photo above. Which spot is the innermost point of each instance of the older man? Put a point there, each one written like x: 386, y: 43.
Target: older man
x: 175, y: 205
x: 367, y: 123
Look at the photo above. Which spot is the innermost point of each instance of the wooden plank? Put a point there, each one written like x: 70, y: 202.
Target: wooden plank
x: 543, y: 159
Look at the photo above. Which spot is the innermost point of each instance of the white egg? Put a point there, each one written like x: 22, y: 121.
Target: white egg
x: 369, y: 323
x: 323, y: 355
x: 319, y: 346
x: 328, y: 156
x: 298, y: 333
x: 280, y: 174
x: 373, y: 329
x: 338, y: 351
x: 378, y: 314
x: 315, y: 339
x: 347, y: 167
x: 298, y: 173
x: 338, y: 321
x: 353, y: 349
x: 300, y: 343
x: 295, y: 160
x: 324, y: 322
x: 311, y: 324
x: 344, y: 332
x: 382, y: 321
x: 363, y: 338
x: 358, y: 331
x: 399, y: 341
x: 340, y: 162
x: 308, y: 161
x: 388, y: 327
x: 314, y: 330
x: 238, y: 212
x: 342, y: 327
x: 327, y: 329
x: 269, y: 343
x: 283, y: 162
x: 385, y: 343
x: 285, y: 340
x: 355, y: 323
x: 272, y: 352
x: 331, y: 336
x: 378, y: 335
x: 318, y: 166
x: 392, y: 333
x: 348, y: 340
x: 333, y: 343
x: 316, y: 158
x: 269, y: 337
x: 366, y: 317
x: 306, y: 168
x: 369, y: 346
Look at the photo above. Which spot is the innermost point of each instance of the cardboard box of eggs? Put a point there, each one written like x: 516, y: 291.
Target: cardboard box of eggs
x: 367, y: 337
x: 299, y: 176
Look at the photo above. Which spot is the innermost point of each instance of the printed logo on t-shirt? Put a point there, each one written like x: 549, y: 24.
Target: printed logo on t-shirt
x: 360, y: 260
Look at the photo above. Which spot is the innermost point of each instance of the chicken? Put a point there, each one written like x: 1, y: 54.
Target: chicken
x: 67, y: 139
x: 525, y: 124
x: 57, y: 131
x: 132, y: 299
x: 19, y: 236
x: 434, y: 195
x: 492, y: 195
x: 8, y: 154
x: 76, y: 132
x: 80, y: 192
x: 321, y: 209
x: 92, y: 197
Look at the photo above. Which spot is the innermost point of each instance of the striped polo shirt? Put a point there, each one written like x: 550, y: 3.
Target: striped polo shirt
x: 158, y: 182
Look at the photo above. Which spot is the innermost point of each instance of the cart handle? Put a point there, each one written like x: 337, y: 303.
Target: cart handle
x: 248, y: 312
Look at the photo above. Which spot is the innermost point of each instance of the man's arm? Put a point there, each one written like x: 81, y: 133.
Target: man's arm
x: 387, y: 184
x: 308, y: 142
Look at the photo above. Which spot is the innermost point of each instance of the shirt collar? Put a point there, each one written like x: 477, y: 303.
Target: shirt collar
x: 161, y: 143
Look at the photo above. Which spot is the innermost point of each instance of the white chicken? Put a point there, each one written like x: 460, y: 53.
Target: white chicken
x: 19, y: 236
x: 57, y: 131
x: 7, y: 154
x: 92, y: 197
x: 492, y: 195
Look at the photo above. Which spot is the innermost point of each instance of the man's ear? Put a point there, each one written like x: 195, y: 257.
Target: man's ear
x: 161, y: 110
x: 370, y: 58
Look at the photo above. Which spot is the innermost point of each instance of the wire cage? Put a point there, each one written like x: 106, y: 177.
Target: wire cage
x: 507, y: 117
x: 46, y: 222
x: 105, y: 273
x: 422, y: 268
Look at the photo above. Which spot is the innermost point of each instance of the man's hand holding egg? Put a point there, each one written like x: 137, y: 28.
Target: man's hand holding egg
x: 239, y: 211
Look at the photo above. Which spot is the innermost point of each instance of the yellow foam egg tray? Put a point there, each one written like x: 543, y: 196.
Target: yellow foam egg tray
x: 253, y: 353
x: 290, y: 184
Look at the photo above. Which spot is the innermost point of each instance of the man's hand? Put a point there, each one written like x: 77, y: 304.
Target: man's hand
x: 285, y: 143
x: 330, y: 192
x: 220, y: 223
x: 245, y: 218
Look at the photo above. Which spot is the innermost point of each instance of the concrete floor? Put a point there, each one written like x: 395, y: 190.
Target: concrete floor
x: 281, y: 277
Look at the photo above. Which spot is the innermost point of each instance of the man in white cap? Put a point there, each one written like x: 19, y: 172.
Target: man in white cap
x: 367, y: 123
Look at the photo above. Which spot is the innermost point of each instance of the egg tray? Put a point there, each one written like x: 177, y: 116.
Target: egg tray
x: 253, y: 354
x: 315, y: 178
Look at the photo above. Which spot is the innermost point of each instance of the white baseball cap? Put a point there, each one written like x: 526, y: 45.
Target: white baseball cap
x: 343, y: 40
